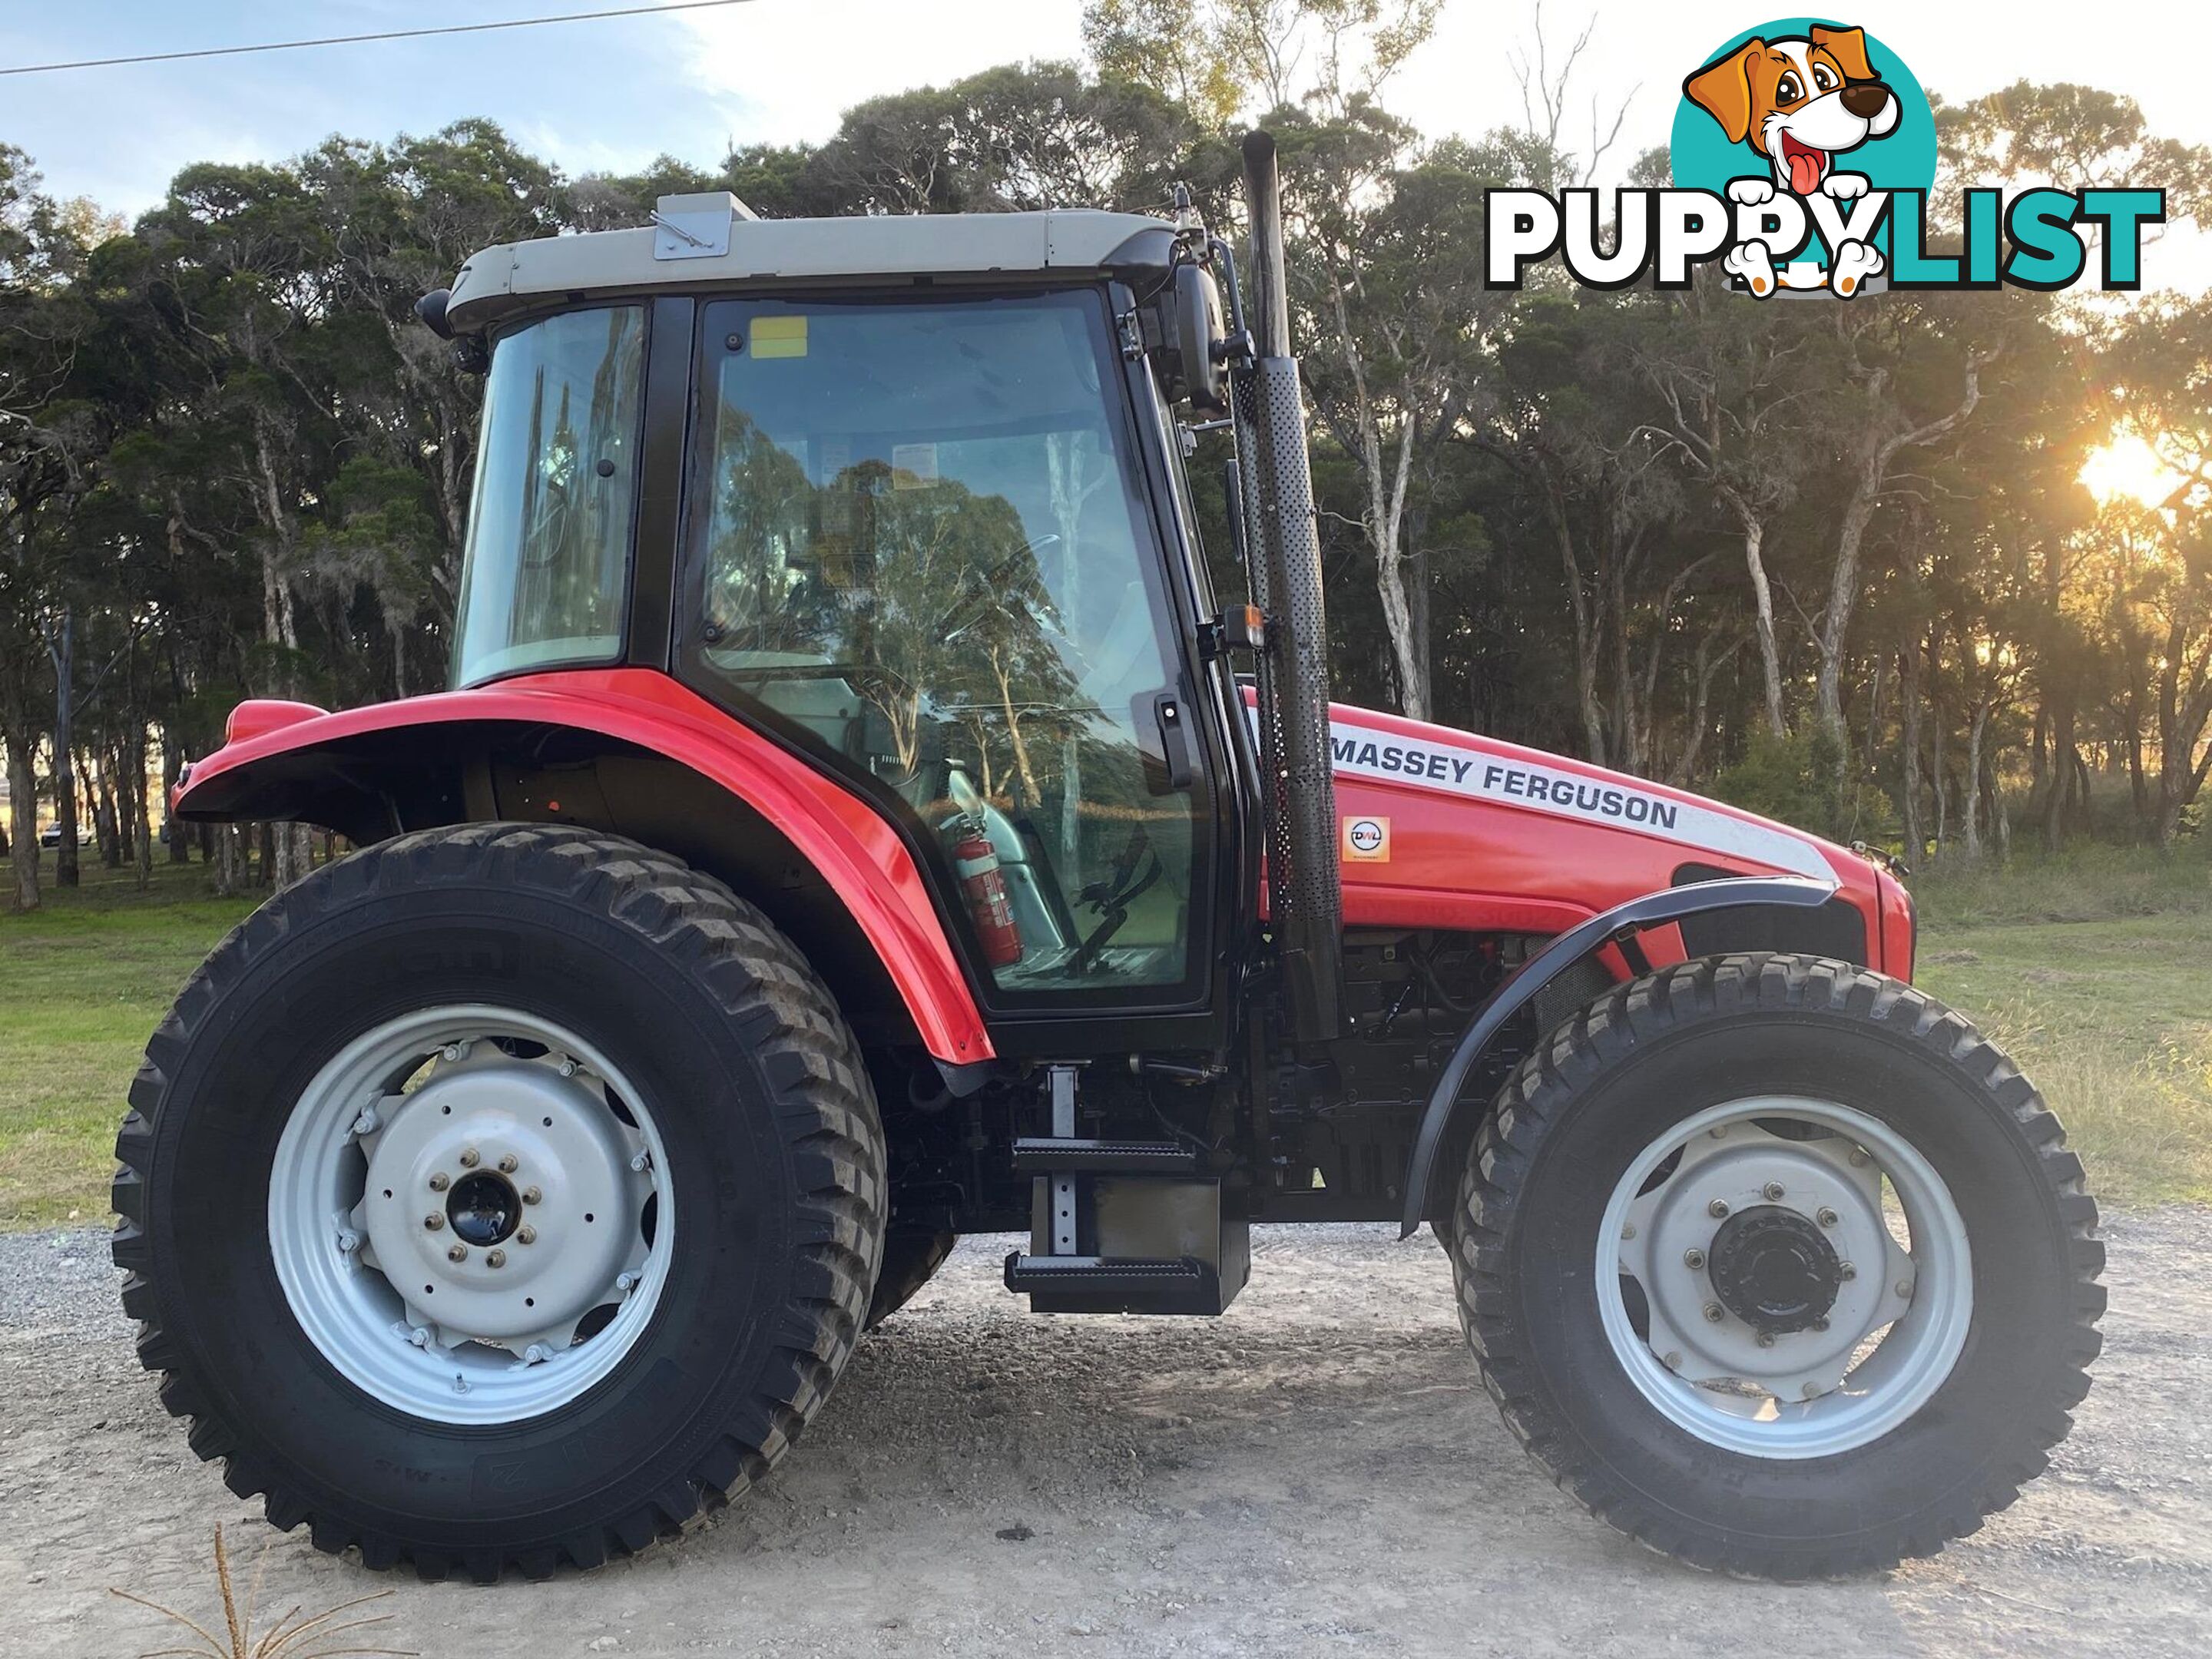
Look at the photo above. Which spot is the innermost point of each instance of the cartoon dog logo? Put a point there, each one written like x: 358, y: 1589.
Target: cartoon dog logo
x: 1799, y: 101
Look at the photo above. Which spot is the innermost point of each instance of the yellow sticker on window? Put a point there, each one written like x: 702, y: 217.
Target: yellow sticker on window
x: 779, y: 336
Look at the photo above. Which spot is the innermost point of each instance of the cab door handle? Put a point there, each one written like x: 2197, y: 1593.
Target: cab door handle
x: 1175, y: 741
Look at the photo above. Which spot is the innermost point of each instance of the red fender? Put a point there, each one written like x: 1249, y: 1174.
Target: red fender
x: 856, y: 852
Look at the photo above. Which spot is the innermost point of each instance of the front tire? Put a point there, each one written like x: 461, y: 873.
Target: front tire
x: 1777, y: 1266
x: 444, y: 1043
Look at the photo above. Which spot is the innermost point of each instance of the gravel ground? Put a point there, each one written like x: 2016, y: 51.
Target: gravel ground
x: 1316, y: 1472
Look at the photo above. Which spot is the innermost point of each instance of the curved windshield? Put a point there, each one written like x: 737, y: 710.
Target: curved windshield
x: 547, y: 562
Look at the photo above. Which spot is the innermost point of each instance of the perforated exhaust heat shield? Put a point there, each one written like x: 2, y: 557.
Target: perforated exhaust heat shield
x: 1298, y: 793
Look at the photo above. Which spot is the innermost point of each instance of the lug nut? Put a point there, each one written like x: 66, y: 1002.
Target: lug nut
x: 1718, y: 1132
x: 536, y: 1354
x: 435, y: 1220
x: 568, y: 1068
x: 1717, y: 1208
x: 419, y: 1336
x: 1673, y: 1362
x: 1858, y: 1158
x: 457, y: 1253
x: 1821, y: 1323
x: 495, y: 1258
x: 454, y: 1051
x: 1846, y: 1272
x: 1693, y: 1258
x: 1767, y: 1339
x: 471, y: 1158
x: 1827, y: 1218
x: 1905, y: 1289
x: 641, y: 1162
x: 507, y: 1164
x: 1809, y: 1391
x: 526, y: 1234
x: 1628, y: 1229
x: 626, y: 1283
x: 440, y: 1181
x: 1715, y: 1312
x: 530, y: 1194
x: 1773, y: 1191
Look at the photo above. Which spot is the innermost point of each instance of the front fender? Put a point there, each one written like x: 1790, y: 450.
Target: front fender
x: 1620, y: 922
x: 343, y: 771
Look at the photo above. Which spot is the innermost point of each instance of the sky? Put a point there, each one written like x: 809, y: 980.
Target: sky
x: 612, y: 95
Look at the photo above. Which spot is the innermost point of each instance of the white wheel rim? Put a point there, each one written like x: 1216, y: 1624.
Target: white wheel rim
x: 1809, y: 1392
x: 503, y: 1137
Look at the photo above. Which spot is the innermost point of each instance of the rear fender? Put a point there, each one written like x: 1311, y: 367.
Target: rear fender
x: 1616, y: 926
x: 688, y: 779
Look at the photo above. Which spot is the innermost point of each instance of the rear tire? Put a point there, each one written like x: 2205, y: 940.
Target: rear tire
x: 910, y: 1261
x: 770, y: 1162
x: 1595, y: 1126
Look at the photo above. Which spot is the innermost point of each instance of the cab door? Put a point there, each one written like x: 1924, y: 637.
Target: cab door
x: 921, y: 550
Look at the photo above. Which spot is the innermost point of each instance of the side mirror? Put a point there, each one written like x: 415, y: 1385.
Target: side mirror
x: 431, y: 310
x: 1199, y: 331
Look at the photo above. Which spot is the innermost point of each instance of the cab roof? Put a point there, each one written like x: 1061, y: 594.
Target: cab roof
x: 714, y: 240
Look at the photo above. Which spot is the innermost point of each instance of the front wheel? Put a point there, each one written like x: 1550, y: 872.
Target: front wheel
x: 1779, y: 1266
x: 499, y: 1196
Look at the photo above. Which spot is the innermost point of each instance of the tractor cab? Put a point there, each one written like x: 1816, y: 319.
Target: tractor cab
x: 906, y: 497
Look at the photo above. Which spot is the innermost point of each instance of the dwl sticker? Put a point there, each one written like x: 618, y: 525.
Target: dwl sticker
x: 1367, y: 839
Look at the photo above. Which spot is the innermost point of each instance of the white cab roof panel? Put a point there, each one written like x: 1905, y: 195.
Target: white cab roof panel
x: 714, y: 240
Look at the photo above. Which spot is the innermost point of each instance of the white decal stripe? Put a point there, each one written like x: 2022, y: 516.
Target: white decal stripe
x: 1361, y: 751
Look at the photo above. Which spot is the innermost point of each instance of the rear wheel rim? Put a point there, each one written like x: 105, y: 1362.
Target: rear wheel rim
x: 1769, y: 1216
x: 469, y: 1214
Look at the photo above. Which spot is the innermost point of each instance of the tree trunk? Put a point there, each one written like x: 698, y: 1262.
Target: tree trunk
x: 1770, y: 653
x: 2059, y: 784
x: 1935, y: 735
x: 1971, y: 797
x: 108, y: 815
x: 1908, y: 671
x: 23, y: 818
x: 1585, y: 647
x: 1843, y: 595
x: 61, y: 647
x: 173, y: 762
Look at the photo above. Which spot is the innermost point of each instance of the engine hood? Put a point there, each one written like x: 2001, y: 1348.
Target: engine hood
x: 1450, y: 829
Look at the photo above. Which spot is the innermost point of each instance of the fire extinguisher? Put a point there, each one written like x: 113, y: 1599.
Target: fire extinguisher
x: 976, y: 864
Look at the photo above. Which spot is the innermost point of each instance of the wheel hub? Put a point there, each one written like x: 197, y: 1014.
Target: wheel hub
x: 485, y: 1209
x: 1775, y: 1270
x: 1755, y: 1232
x: 502, y: 1202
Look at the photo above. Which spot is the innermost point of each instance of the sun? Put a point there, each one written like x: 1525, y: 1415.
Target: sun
x: 2129, y: 467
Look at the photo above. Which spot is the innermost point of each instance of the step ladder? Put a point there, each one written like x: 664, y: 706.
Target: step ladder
x: 1122, y: 1226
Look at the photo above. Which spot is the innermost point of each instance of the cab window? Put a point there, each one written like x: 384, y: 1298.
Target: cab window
x: 922, y: 551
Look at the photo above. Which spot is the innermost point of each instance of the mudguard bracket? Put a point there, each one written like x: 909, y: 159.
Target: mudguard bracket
x: 1617, y: 926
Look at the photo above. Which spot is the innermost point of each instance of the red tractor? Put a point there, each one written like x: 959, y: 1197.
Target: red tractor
x: 850, y: 828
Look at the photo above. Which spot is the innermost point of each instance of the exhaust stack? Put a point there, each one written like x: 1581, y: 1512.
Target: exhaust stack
x: 1298, y: 790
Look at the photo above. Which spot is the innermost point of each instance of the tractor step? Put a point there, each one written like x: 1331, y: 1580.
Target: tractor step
x: 1098, y: 1284
x: 1053, y: 1155
x: 1122, y: 1226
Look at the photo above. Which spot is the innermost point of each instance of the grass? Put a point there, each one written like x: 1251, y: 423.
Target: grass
x: 82, y: 981
x: 2094, y: 969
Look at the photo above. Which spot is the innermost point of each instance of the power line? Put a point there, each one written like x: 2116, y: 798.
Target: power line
x: 357, y: 39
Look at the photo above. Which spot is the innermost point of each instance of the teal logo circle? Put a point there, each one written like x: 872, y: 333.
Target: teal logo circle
x: 1707, y: 156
